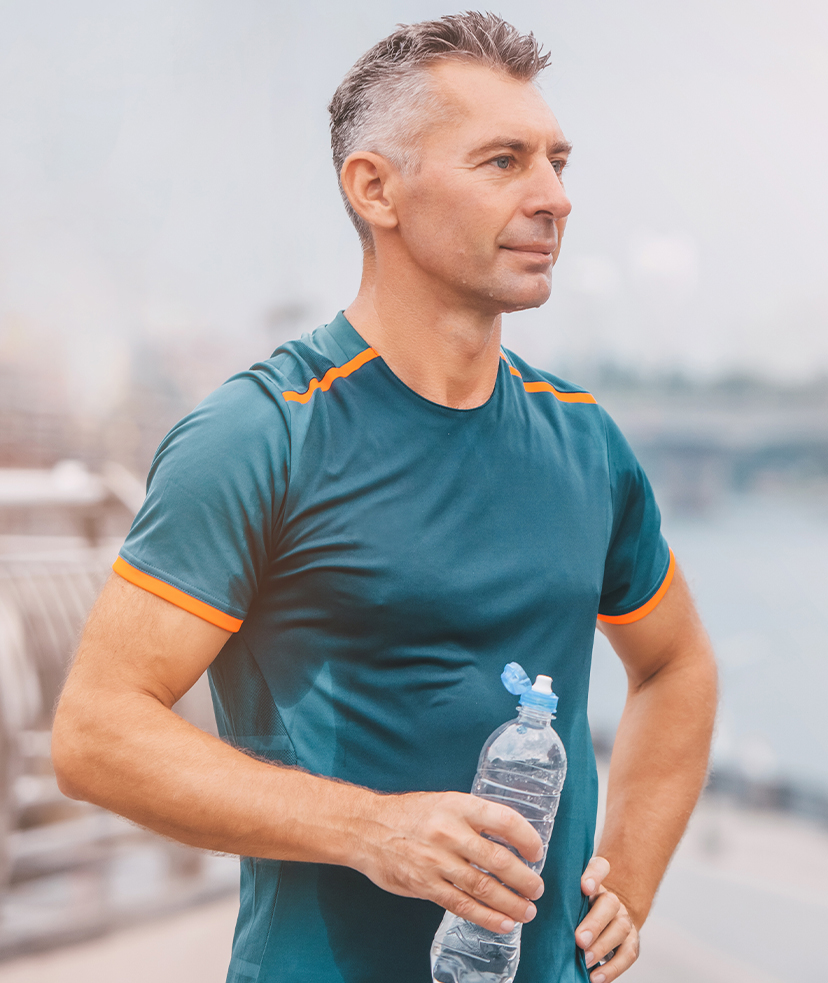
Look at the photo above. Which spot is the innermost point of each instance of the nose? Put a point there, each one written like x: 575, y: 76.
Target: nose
x: 547, y: 194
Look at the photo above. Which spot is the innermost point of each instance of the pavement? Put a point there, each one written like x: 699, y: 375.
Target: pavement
x: 744, y: 888
x: 190, y: 947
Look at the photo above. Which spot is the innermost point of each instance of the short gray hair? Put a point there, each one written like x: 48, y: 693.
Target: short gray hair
x: 384, y: 98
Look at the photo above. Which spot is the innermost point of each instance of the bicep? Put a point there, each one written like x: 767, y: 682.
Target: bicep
x: 670, y: 635
x: 136, y: 642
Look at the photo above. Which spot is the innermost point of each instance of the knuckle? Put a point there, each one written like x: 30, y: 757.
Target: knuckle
x: 464, y: 907
x: 447, y: 898
x: 438, y: 811
x: 496, y: 857
x: 454, y: 801
x: 482, y: 885
x: 612, y: 904
x: 440, y: 833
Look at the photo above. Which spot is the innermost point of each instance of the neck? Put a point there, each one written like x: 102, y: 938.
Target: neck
x: 442, y: 349
x: 535, y: 715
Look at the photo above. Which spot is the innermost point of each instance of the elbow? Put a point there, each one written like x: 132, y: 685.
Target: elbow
x: 69, y: 760
x: 66, y: 787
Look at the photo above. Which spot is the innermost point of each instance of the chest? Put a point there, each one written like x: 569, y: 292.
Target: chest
x: 443, y: 526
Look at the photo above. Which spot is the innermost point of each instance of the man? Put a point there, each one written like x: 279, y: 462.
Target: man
x: 357, y: 534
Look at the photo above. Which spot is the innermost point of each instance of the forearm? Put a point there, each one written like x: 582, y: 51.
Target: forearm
x: 117, y: 743
x: 143, y: 761
x: 657, y: 771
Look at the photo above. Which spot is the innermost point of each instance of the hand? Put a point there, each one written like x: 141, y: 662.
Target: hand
x: 607, y: 927
x: 429, y: 845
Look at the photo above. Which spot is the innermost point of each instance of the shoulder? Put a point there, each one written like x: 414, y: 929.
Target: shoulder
x: 298, y: 368
x: 576, y: 410
x: 569, y: 404
x: 257, y: 401
x: 539, y: 380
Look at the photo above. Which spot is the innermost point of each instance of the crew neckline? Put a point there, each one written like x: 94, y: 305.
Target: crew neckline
x: 352, y: 344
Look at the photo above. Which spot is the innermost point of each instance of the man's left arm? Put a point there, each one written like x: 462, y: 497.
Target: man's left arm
x: 658, y: 767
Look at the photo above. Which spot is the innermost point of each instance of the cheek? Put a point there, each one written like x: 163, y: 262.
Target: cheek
x: 447, y: 207
x: 445, y: 227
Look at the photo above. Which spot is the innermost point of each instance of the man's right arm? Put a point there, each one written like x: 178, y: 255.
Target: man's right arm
x: 117, y: 743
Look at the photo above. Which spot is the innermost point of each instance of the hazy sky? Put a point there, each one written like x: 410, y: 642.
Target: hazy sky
x: 165, y: 172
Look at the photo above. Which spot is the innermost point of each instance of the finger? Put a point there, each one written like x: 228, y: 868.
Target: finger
x: 508, y: 825
x: 462, y: 904
x: 611, y: 938
x: 498, y: 860
x: 625, y: 955
x: 602, y: 912
x: 488, y: 891
x: 592, y: 878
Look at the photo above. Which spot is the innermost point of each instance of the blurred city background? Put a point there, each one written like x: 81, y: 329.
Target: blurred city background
x: 169, y: 214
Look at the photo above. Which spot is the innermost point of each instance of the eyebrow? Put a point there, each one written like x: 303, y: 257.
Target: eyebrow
x: 559, y: 147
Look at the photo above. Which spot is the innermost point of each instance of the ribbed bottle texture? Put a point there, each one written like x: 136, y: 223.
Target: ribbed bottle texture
x: 522, y: 765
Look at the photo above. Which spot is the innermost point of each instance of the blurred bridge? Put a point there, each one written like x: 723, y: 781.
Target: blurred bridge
x: 696, y: 449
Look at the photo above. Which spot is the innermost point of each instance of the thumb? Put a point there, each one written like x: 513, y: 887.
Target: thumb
x: 595, y: 873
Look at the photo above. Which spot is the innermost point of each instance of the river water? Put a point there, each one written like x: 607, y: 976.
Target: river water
x: 758, y: 566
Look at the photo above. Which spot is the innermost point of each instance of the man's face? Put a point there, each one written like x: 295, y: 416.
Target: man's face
x: 483, y: 215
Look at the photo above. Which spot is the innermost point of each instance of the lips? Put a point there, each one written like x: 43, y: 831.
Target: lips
x: 542, y: 249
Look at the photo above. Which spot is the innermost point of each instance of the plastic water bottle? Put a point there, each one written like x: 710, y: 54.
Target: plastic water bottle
x: 522, y: 765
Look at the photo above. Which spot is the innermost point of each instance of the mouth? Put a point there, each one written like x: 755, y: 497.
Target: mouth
x: 538, y: 250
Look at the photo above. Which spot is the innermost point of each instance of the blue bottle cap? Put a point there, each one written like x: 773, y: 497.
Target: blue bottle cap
x: 515, y: 679
x: 539, y: 696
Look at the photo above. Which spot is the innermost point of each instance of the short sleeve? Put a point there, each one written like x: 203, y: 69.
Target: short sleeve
x: 215, y: 496
x: 639, y: 564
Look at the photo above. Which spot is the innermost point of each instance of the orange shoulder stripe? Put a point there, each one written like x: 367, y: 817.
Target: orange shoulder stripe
x: 175, y: 596
x: 639, y: 613
x: 512, y: 369
x: 547, y: 387
x: 337, y: 372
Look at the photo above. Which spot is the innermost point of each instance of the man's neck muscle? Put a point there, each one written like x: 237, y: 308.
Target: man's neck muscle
x: 444, y: 350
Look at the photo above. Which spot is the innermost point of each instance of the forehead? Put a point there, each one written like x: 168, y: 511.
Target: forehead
x: 481, y: 102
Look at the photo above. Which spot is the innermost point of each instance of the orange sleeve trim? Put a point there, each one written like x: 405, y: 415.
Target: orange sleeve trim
x: 175, y: 596
x: 547, y: 387
x: 639, y: 613
x: 337, y: 372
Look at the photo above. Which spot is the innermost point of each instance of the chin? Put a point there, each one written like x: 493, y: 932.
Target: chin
x: 523, y: 300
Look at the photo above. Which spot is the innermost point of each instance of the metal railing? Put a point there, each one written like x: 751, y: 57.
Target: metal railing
x: 69, y: 869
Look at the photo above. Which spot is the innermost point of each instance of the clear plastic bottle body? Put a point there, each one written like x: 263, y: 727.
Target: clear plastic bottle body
x: 522, y: 765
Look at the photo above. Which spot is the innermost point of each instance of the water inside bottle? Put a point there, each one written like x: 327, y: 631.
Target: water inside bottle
x: 470, y: 954
x: 526, y: 788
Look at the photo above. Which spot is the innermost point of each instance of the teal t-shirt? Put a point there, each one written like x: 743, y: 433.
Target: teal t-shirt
x: 380, y: 558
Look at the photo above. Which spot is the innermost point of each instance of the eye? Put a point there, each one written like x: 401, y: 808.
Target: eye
x: 502, y: 162
x: 558, y: 166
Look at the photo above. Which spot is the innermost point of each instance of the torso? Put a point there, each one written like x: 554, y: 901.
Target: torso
x: 419, y: 549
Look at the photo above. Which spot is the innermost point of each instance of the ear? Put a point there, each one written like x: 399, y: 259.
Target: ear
x: 560, y: 225
x: 368, y: 182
